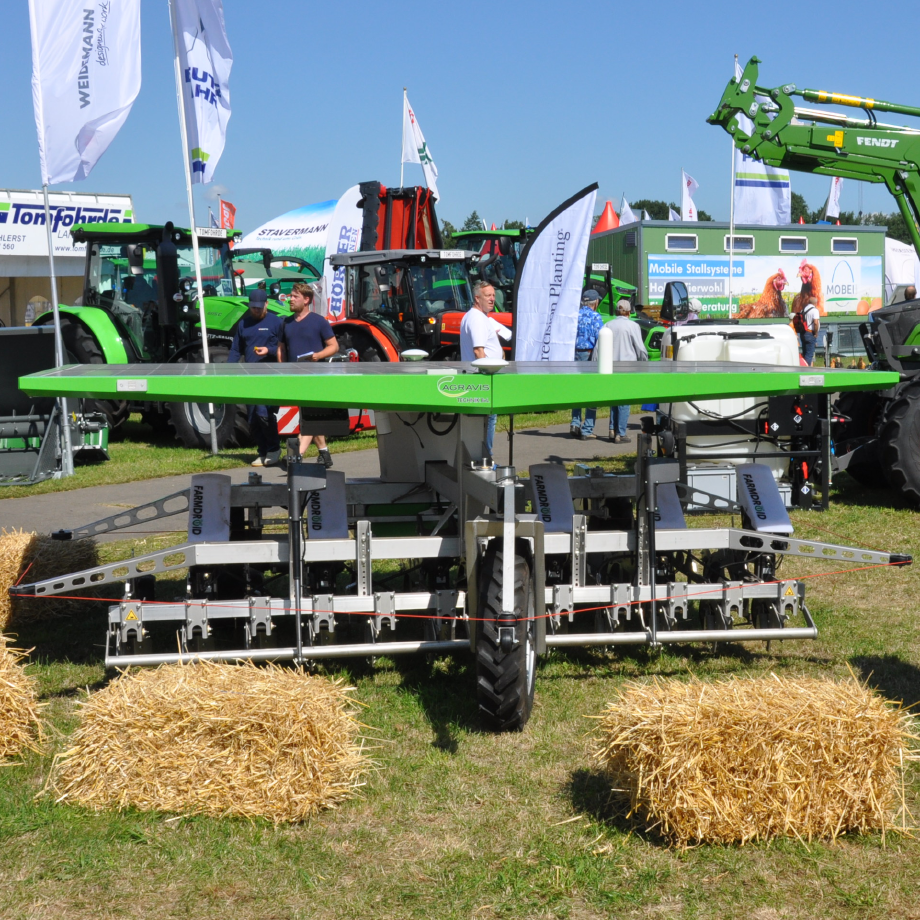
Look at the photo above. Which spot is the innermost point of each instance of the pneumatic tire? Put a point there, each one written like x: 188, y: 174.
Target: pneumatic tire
x: 900, y: 443
x: 505, y: 679
x: 190, y: 420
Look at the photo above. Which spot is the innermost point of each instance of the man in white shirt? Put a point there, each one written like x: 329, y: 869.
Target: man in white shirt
x: 480, y: 336
x: 627, y: 346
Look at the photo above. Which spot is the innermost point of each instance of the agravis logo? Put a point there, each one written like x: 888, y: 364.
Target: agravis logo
x: 464, y: 392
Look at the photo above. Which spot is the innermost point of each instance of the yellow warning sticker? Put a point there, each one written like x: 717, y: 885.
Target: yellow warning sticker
x: 836, y: 138
x: 131, y: 616
x: 789, y: 592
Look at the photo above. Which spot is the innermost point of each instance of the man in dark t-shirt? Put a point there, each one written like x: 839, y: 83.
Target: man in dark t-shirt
x: 258, y: 337
x: 307, y: 336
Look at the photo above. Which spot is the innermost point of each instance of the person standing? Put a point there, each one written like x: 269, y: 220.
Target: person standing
x: 307, y: 336
x: 806, y: 322
x: 627, y: 346
x: 589, y: 324
x: 480, y: 337
x: 257, y: 339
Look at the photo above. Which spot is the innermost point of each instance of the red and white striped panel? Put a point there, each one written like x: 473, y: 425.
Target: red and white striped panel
x: 289, y: 420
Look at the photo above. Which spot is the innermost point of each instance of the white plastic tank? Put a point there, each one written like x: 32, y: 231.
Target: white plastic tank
x: 776, y: 345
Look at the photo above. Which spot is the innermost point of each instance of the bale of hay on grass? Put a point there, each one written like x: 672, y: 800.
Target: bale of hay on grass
x: 740, y: 760
x: 214, y: 739
x: 30, y: 557
x: 20, y: 725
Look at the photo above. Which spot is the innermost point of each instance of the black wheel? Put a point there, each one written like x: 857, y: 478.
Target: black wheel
x: 362, y: 345
x: 190, y: 420
x: 863, y: 411
x: 82, y: 348
x: 506, y: 655
x: 900, y: 442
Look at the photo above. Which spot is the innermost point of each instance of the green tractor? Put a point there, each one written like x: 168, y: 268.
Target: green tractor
x: 499, y: 256
x: 140, y: 304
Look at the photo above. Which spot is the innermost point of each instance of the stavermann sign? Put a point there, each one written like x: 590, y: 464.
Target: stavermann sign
x: 22, y: 219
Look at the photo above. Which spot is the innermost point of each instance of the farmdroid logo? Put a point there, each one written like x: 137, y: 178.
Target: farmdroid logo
x: 464, y: 392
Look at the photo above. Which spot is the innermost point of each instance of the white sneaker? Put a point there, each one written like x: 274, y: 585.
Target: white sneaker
x: 259, y: 461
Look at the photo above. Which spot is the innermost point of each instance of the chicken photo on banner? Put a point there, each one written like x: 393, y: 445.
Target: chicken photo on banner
x: 770, y: 304
x: 205, y: 60
x: 811, y: 287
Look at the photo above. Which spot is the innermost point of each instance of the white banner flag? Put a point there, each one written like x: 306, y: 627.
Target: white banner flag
x: 627, y: 215
x: 415, y: 150
x: 343, y: 235
x: 763, y: 194
x: 86, y: 74
x: 205, y: 60
x: 672, y: 214
x: 547, y: 288
x: 689, y: 185
x: 833, y: 197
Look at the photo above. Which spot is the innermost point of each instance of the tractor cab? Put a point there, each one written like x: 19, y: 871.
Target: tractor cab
x: 404, y: 299
x: 499, y: 256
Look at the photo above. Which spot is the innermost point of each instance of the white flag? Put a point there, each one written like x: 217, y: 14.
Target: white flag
x: 547, y: 288
x: 763, y: 194
x: 86, y: 74
x: 205, y: 60
x: 627, y: 215
x: 689, y: 185
x: 833, y: 197
x: 672, y: 214
x: 414, y: 148
x: 646, y: 215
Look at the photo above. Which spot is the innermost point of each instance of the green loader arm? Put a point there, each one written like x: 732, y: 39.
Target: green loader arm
x: 765, y: 123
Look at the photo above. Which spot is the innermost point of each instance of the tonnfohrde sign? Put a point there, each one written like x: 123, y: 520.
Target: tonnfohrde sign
x: 22, y: 220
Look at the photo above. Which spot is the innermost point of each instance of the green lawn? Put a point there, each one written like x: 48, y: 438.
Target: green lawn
x: 454, y: 823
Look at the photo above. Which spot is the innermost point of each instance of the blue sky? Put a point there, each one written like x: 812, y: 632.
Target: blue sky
x: 522, y: 103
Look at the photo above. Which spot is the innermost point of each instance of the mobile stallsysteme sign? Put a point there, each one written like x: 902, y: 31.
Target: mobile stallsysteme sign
x: 846, y: 280
x: 22, y: 220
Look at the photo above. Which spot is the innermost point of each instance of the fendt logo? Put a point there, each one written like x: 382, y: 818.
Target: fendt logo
x: 464, y: 392
x: 876, y: 141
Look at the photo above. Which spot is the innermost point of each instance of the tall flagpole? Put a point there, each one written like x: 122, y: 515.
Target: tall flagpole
x: 731, y: 222
x: 67, y: 446
x: 173, y: 19
x: 402, y: 160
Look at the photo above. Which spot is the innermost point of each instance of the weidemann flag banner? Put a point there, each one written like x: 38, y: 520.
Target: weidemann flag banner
x: 344, y: 235
x: 547, y: 288
x: 204, y: 61
x: 300, y: 233
x: 86, y: 74
x: 763, y: 194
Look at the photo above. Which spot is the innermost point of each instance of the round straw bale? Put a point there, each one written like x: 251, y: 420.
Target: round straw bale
x: 20, y: 726
x: 29, y: 557
x: 741, y: 760
x: 214, y: 739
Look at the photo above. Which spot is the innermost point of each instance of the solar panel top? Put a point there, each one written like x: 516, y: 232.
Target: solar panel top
x: 444, y: 386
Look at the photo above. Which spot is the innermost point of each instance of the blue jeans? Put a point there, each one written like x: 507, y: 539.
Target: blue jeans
x: 587, y: 427
x: 264, y: 429
x: 619, y: 417
x: 490, y: 432
x: 808, y: 347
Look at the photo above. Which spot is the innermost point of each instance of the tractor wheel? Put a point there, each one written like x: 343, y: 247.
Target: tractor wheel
x: 505, y: 671
x: 900, y: 443
x: 190, y: 420
x: 82, y: 348
x: 363, y: 346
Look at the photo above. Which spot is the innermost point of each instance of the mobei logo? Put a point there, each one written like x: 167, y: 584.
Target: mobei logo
x: 759, y: 509
x: 197, y: 510
x: 876, y: 141
x: 462, y: 391
x: 539, y: 489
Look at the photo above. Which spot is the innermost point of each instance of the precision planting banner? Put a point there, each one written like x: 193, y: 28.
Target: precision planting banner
x: 850, y: 284
x: 547, y: 289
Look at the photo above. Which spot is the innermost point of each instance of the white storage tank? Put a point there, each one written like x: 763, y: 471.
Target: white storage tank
x: 772, y: 344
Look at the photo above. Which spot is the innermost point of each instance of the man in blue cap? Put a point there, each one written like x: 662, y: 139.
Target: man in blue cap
x: 590, y: 324
x: 258, y: 338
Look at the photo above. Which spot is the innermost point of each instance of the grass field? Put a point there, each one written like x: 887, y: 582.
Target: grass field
x: 455, y: 823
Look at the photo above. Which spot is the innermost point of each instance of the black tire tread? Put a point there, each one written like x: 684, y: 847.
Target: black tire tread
x: 900, y: 442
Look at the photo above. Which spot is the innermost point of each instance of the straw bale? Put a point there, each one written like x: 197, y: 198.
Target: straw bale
x: 43, y: 558
x: 741, y: 760
x: 20, y: 726
x: 214, y: 739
